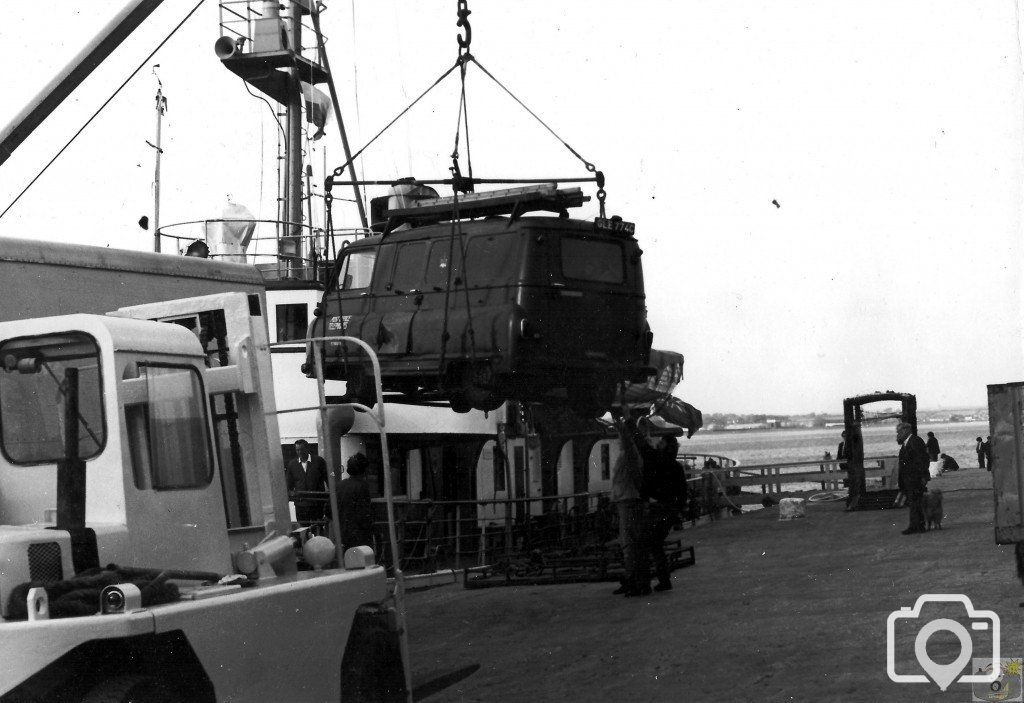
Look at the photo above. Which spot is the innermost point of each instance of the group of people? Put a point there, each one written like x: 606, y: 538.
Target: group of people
x: 946, y: 462
x: 309, y: 473
x: 933, y: 453
x: 649, y: 492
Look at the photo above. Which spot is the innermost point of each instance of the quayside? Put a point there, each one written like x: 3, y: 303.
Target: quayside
x: 772, y: 610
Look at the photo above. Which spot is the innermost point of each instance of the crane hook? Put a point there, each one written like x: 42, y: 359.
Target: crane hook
x: 463, y: 22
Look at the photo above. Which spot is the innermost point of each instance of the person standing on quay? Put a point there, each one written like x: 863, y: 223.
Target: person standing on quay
x: 665, y: 485
x: 979, y: 447
x: 933, y: 447
x: 842, y: 454
x: 355, y: 510
x: 987, y: 447
x: 913, y: 475
x: 306, y: 473
x: 627, y: 494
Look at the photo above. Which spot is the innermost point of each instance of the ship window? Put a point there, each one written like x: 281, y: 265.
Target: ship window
x: 34, y: 395
x: 491, y: 260
x: 592, y: 260
x: 357, y: 269
x: 167, y: 429
x: 409, y: 267
x: 441, y: 272
x: 292, y: 321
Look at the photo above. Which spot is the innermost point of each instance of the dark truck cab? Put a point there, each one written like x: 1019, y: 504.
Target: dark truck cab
x: 480, y: 311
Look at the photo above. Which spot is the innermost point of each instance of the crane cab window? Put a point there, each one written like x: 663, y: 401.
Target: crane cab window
x: 167, y: 431
x: 357, y: 270
x: 35, y: 393
x: 592, y: 260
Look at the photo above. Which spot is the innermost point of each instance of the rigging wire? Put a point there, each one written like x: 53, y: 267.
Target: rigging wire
x: 340, y: 169
x: 266, y: 102
x: 101, y: 107
x: 590, y: 167
x: 355, y: 89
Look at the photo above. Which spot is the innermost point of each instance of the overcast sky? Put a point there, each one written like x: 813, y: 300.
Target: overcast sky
x: 889, y: 133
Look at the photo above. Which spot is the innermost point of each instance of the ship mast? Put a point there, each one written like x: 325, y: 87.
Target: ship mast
x: 161, y: 108
x: 265, y: 49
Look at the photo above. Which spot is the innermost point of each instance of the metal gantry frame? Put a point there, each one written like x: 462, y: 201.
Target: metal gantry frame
x: 328, y: 451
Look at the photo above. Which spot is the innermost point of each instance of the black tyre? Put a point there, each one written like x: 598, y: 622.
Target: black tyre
x: 130, y: 688
x: 459, y: 402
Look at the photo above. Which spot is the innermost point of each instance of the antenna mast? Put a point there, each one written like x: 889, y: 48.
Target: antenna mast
x: 161, y: 108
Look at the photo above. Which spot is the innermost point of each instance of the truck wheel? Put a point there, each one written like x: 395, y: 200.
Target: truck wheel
x: 130, y: 689
x: 459, y: 402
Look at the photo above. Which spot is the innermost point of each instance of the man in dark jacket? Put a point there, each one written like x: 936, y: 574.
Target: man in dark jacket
x: 355, y: 511
x: 933, y: 447
x: 843, y: 453
x: 913, y: 475
x: 306, y: 473
x: 665, y: 487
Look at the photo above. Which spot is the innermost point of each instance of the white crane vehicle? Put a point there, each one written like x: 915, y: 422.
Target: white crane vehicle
x: 145, y: 547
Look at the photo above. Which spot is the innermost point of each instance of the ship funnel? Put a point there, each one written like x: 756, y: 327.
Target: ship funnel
x: 225, y: 48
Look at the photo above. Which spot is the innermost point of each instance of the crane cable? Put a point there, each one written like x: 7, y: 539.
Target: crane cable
x: 456, y: 226
x: 458, y: 181
x: 101, y: 107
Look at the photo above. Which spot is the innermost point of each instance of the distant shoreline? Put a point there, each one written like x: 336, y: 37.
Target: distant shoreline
x: 834, y: 425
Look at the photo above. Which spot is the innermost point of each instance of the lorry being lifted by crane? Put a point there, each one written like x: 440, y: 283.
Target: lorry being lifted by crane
x: 144, y: 523
x: 479, y: 311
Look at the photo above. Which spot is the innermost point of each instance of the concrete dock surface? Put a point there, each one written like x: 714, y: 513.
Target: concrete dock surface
x: 773, y: 610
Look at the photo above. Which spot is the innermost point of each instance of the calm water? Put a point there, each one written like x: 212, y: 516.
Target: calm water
x: 780, y: 446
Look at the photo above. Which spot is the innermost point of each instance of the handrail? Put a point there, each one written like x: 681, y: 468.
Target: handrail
x: 245, y: 20
x: 321, y: 244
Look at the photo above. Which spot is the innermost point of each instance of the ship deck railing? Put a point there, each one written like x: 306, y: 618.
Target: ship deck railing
x: 435, y: 535
x: 306, y: 253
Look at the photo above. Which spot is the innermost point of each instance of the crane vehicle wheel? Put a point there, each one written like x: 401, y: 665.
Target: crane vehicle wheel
x: 130, y: 689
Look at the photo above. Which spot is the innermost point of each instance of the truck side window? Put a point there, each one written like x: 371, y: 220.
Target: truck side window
x: 357, y: 269
x: 167, y: 432
x: 444, y: 265
x: 594, y: 260
x: 491, y: 260
x: 409, y: 267
x: 33, y: 397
